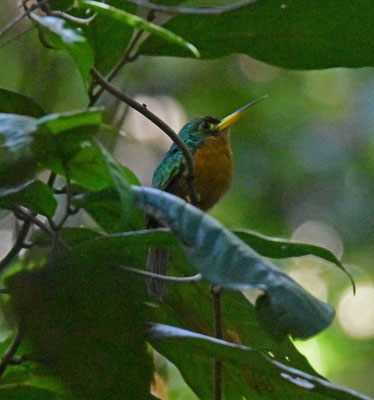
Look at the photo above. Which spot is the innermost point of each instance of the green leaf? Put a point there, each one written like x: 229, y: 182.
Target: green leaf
x: 225, y: 260
x: 22, y: 391
x: 295, y: 384
x: 69, y: 40
x: 16, y: 103
x: 109, y: 37
x: 69, y: 121
x: 295, y: 34
x: 85, y: 323
x: 17, y: 163
x: 71, y: 236
x: 139, y: 23
x: 35, y: 195
x: 282, y: 248
x: 130, y: 216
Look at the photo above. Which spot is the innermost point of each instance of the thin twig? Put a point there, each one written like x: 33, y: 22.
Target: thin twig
x: 20, y: 17
x: 68, y: 210
x: 174, y: 279
x: 125, y: 59
x: 194, y: 11
x: 157, y: 121
x: 217, y: 312
x: 68, y: 17
x: 28, y: 216
x: 17, y: 247
x: 11, y: 350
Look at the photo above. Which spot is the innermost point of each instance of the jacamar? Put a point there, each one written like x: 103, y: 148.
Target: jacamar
x: 207, y: 139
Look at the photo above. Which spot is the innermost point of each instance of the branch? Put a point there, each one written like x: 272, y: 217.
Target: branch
x: 167, y: 278
x: 11, y: 350
x: 18, y: 245
x: 193, y: 11
x: 157, y: 121
x: 27, y: 216
x: 126, y: 57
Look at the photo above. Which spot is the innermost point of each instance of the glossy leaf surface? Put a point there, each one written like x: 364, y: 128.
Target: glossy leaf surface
x: 295, y: 34
x: 223, y: 259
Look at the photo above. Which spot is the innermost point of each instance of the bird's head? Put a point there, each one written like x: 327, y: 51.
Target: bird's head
x: 204, y: 127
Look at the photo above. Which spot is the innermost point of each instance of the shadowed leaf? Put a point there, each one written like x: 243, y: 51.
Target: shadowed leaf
x: 16, y: 103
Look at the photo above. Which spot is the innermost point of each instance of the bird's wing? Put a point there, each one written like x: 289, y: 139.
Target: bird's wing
x: 170, y: 169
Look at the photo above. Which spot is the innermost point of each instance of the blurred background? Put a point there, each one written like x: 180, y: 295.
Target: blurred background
x: 304, y: 164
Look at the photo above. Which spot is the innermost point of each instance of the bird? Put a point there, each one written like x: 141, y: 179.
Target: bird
x: 207, y: 139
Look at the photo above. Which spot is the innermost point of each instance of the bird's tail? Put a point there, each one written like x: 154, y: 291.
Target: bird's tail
x: 157, y: 262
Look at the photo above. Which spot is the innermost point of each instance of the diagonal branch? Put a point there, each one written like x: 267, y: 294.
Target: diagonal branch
x: 142, y: 109
x: 167, y: 278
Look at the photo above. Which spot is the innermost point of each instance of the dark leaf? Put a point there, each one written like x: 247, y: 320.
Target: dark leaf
x: 139, y: 23
x: 85, y: 323
x: 16, y: 103
x: 109, y: 37
x: 282, y: 248
x: 35, y: 195
x: 17, y: 163
x: 22, y: 391
x: 295, y: 34
x: 223, y: 259
x: 290, y: 382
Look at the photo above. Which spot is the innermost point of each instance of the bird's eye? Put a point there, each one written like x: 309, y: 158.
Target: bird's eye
x: 205, y: 125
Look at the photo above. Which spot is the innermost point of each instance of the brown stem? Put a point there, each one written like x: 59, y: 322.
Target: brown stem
x: 11, y: 350
x: 157, y: 121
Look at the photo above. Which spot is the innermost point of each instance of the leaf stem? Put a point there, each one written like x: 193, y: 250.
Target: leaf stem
x: 192, y: 11
x: 11, y: 350
x: 125, y: 59
x: 174, y: 279
x: 142, y: 109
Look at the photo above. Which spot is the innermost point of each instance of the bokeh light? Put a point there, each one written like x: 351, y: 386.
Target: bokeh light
x: 356, y: 313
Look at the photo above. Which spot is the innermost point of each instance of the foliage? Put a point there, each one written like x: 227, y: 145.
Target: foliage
x: 80, y: 319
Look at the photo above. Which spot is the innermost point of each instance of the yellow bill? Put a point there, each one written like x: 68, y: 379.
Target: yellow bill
x: 232, y: 118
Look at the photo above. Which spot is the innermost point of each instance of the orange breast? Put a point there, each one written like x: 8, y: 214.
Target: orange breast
x: 213, y: 170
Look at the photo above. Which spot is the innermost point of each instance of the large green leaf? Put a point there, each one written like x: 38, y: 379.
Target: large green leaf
x: 17, y: 163
x: 16, y: 103
x: 130, y: 216
x: 109, y: 37
x: 225, y: 260
x: 287, y: 382
x: 281, y: 248
x: 140, y: 23
x: 85, y: 323
x: 35, y: 195
x: 294, y: 34
x: 69, y: 40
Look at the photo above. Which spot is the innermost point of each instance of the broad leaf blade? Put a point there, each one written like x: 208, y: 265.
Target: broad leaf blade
x: 295, y: 34
x: 223, y: 259
x: 139, y: 23
x: 282, y: 248
x: 35, y: 195
x: 109, y: 37
x: 16, y: 103
x: 17, y: 163
x: 296, y: 384
x: 69, y: 40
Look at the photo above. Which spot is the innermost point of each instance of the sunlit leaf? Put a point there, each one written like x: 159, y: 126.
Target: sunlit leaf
x: 293, y: 34
x: 139, y: 23
x: 225, y: 260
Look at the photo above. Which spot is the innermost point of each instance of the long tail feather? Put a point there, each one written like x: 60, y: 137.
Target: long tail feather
x: 157, y: 262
